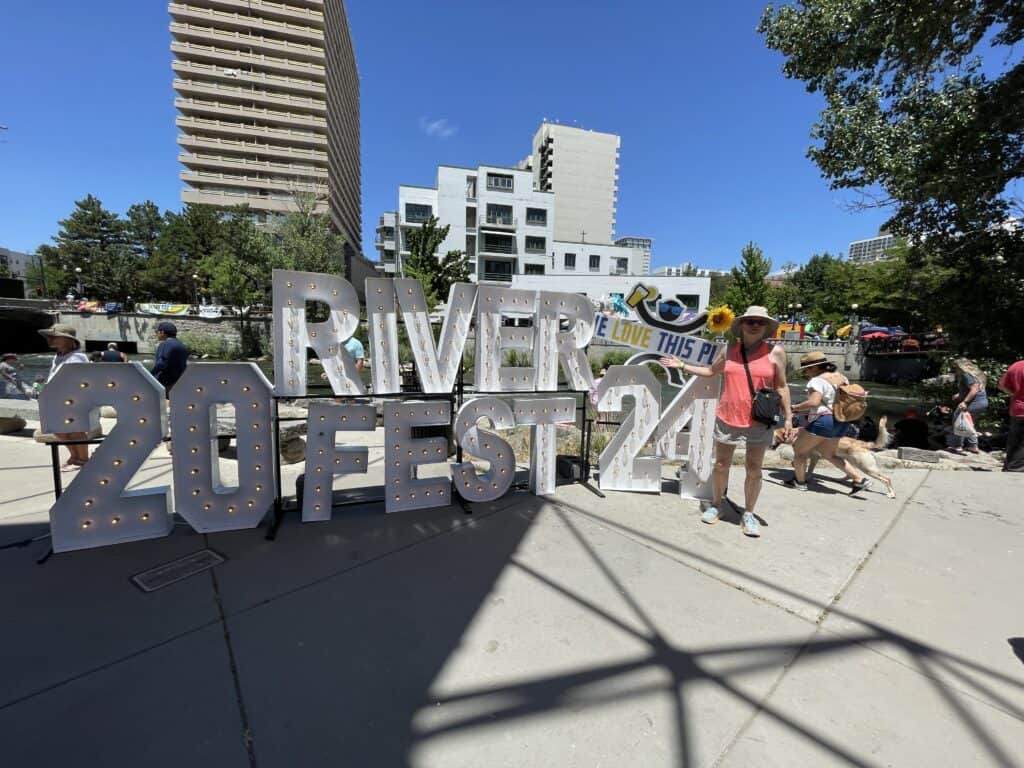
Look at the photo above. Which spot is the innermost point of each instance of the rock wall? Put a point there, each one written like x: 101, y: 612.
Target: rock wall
x: 140, y: 330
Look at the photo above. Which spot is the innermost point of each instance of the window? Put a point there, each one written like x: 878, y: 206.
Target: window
x: 595, y: 263
x: 500, y: 214
x: 533, y: 269
x: 416, y: 213
x: 499, y: 181
x: 535, y: 244
x: 570, y: 261
x: 536, y: 217
x: 622, y: 266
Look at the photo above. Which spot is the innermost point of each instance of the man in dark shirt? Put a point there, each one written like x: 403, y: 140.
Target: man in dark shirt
x: 171, y: 356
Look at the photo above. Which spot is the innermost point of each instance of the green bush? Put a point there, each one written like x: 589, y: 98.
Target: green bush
x: 518, y: 358
x: 616, y: 357
x: 208, y: 345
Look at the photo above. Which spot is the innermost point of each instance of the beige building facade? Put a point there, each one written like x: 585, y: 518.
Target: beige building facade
x: 581, y: 168
x: 268, y: 101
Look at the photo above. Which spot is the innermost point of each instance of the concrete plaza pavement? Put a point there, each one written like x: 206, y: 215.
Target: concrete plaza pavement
x: 564, y: 631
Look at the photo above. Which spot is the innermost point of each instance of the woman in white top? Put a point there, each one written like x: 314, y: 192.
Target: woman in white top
x: 823, y: 432
x: 63, y: 339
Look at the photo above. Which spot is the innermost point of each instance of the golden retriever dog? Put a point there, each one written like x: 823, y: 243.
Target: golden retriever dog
x: 859, y: 454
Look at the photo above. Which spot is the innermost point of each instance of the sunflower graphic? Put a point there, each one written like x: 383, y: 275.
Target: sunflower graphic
x: 720, y: 318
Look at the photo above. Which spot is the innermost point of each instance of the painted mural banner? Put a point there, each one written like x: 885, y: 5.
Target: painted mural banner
x: 162, y: 308
x: 97, y: 509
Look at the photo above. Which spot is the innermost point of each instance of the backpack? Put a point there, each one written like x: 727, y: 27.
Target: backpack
x: 851, y: 400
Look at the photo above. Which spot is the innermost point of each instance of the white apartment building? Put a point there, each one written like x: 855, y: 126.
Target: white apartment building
x: 872, y: 249
x: 581, y: 168
x: 645, y: 244
x: 267, y: 109
x: 16, y: 262
x: 502, y: 223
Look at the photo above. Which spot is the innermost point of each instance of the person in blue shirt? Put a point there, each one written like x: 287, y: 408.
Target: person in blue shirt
x: 355, y: 348
x: 171, y: 356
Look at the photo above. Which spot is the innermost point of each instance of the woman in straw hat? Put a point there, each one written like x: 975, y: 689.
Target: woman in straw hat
x: 63, y: 339
x: 822, y: 432
x: 734, y: 424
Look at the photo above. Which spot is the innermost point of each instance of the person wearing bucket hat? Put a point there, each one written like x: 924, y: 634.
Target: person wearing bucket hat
x: 63, y: 340
x: 747, y: 365
x: 823, y: 431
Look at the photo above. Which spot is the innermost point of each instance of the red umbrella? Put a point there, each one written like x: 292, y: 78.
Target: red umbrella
x: 875, y: 335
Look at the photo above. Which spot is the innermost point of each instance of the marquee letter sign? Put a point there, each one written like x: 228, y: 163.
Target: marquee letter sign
x: 96, y: 509
x: 550, y: 330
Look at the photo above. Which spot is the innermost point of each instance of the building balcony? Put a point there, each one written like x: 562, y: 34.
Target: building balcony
x: 249, y: 167
x: 483, y: 246
x: 271, y: 118
x: 495, y: 277
x: 230, y: 58
x: 497, y: 222
x: 218, y: 92
x: 312, y: 16
x: 228, y: 128
x: 235, y: 76
x: 415, y: 220
x: 199, y: 179
x: 282, y: 203
x: 249, y: 148
x: 302, y: 52
x: 242, y: 22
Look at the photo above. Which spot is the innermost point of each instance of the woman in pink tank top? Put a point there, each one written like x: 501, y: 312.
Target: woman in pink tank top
x: 734, y: 424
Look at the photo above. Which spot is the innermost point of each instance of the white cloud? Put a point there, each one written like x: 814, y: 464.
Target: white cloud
x: 440, y: 128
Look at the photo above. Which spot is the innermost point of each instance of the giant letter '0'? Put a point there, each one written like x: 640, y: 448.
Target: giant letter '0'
x: 496, y: 481
x: 94, y: 509
x: 620, y: 469
x: 403, y: 454
x: 543, y: 414
x: 199, y: 496
x: 325, y: 460
x: 292, y: 334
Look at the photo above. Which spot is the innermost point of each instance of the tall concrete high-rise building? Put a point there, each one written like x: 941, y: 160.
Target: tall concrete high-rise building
x: 581, y: 168
x: 268, y: 96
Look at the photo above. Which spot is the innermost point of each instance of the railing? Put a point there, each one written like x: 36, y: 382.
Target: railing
x: 490, y: 220
x: 536, y: 222
x: 248, y: 74
x: 535, y: 249
x: 234, y: 55
x: 245, y: 127
x: 493, y: 187
x: 177, y: 8
x: 254, y: 146
x: 260, y: 40
x: 416, y: 218
x: 491, y: 247
x: 500, y: 277
x: 241, y: 110
x: 284, y: 8
x: 251, y: 93
x: 301, y: 170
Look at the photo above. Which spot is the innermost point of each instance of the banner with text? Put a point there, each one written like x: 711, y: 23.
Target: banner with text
x: 688, y: 348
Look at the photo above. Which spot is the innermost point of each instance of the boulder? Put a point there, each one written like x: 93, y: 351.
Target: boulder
x: 918, y: 454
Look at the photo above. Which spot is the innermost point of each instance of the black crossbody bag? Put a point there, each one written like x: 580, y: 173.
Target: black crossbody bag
x: 766, y: 405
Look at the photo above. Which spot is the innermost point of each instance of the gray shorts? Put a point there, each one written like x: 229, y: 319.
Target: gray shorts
x: 757, y: 436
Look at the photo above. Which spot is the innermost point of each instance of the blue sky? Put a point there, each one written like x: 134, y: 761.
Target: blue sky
x: 713, y: 137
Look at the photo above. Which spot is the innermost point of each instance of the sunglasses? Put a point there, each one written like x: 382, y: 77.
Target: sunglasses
x: 754, y: 322
x: 672, y: 309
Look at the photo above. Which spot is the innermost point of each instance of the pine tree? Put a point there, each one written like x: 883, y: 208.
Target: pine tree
x: 748, y: 286
x: 90, y: 240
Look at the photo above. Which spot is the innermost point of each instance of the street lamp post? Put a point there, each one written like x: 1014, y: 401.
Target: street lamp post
x: 78, y: 279
x: 195, y: 291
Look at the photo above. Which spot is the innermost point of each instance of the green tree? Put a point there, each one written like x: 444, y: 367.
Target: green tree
x: 46, y: 276
x: 923, y: 115
x: 825, y: 287
x: 238, y: 270
x: 720, y: 285
x: 87, y: 240
x: 748, y: 286
x: 437, y: 275
x: 304, y: 240
x: 185, y: 239
x: 143, y: 225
